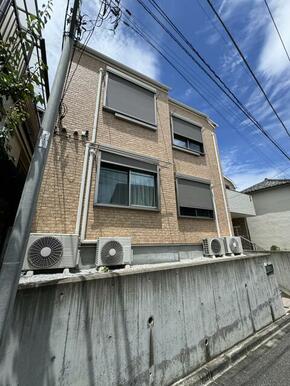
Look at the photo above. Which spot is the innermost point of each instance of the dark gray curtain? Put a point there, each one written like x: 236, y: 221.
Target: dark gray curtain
x: 113, y: 187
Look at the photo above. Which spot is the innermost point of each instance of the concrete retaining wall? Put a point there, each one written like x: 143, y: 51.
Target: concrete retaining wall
x: 139, y: 328
x: 281, y: 262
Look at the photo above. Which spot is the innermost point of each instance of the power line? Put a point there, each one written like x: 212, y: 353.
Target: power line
x: 107, y: 11
x: 149, y: 39
x: 276, y: 27
x: 248, y: 65
x: 229, y: 93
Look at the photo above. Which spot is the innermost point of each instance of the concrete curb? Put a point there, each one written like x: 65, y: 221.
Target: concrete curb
x: 224, y: 361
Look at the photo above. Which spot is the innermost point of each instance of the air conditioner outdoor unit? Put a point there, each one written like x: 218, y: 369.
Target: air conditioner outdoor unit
x: 233, y: 245
x: 113, y: 251
x: 51, y: 251
x: 213, y: 247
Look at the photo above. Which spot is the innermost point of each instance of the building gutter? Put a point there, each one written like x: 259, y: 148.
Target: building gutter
x: 215, y: 212
x: 83, y: 206
x: 222, y: 184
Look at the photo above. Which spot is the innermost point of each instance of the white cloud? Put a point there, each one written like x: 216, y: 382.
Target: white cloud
x: 123, y: 46
x: 273, y: 60
x: 244, y: 173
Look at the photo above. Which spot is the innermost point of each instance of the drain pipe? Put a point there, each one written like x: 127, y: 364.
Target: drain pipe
x: 91, y: 155
x: 82, y: 189
x: 215, y: 212
x: 222, y: 183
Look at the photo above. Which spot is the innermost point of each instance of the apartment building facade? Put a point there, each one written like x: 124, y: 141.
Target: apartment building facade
x: 129, y: 161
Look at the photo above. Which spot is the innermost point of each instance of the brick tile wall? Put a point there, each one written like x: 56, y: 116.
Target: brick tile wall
x: 57, y: 205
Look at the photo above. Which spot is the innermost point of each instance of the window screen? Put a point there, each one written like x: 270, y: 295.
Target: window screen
x: 130, y: 99
x: 194, y: 198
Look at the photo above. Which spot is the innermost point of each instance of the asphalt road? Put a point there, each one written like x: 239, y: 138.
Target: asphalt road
x: 268, y: 365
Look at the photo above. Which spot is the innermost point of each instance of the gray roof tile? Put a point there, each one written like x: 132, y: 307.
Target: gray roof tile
x: 266, y: 184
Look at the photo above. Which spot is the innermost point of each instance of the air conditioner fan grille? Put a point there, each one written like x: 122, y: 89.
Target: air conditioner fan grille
x: 216, y: 246
x: 45, y: 252
x: 112, y: 253
x: 234, y: 245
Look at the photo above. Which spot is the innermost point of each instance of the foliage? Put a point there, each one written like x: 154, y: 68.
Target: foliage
x: 17, y: 85
x: 274, y: 248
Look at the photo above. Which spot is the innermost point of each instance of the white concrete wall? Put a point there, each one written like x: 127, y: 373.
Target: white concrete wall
x: 96, y: 332
x: 270, y: 229
x: 271, y: 226
x: 240, y: 203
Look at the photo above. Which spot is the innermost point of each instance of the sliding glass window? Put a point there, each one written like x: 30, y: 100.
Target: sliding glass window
x: 126, y: 186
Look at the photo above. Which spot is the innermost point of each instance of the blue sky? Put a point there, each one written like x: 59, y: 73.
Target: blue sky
x: 247, y: 156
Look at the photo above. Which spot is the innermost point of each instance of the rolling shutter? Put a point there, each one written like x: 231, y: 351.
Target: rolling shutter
x: 186, y: 129
x: 130, y: 99
x: 194, y: 194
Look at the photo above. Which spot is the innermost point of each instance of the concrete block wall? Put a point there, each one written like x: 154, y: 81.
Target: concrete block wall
x: 58, y: 200
x: 147, y: 327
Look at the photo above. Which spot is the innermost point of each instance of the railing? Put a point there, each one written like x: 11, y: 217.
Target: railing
x: 12, y: 21
x: 248, y: 245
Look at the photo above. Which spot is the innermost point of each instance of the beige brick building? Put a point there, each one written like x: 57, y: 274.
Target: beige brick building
x: 155, y: 177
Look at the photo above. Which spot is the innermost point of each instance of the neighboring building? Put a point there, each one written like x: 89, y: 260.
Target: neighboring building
x: 241, y: 207
x: 270, y: 227
x: 13, y: 169
x: 156, y: 173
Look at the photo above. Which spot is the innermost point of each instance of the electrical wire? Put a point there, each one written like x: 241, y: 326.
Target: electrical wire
x: 106, y: 12
x: 142, y: 32
x: 227, y: 91
x: 247, y: 65
x: 276, y: 27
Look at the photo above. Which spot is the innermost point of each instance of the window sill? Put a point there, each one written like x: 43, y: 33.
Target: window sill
x: 196, y: 217
x: 146, y: 208
x: 130, y: 119
x: 197, y: 154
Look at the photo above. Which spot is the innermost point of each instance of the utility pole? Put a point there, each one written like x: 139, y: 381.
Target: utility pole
x: 15, y: 251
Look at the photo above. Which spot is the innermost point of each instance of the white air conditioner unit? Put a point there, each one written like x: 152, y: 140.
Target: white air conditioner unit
x: 213, y: 247
x: 51, y: 251
x: 113, y: 251
x: 233, y: 245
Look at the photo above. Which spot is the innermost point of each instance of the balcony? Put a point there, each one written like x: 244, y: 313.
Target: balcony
x: 240, y: 204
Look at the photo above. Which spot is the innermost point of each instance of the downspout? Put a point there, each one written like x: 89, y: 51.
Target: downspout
x: 222, y: 184
x: 86, y: 187
x: 82, y: 190
x: 215, y: 212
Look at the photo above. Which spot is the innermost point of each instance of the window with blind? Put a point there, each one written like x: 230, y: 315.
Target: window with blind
x: 130, y: 99
x: 187, y: 135
x: 194, y: 198
x: 126, y: 182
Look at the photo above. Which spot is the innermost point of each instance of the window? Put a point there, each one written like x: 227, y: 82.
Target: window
x: 194, y: 198
x: 126, y: 182
x: 187, y: 135
x: 129, y: 99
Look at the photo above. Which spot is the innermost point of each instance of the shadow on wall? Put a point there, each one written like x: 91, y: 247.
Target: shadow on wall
x: 60, y: 184
x: 33, y: 353
x: 125, y: 127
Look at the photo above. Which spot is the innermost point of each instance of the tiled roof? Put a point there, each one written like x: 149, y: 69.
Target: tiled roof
x: 266, y: 184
